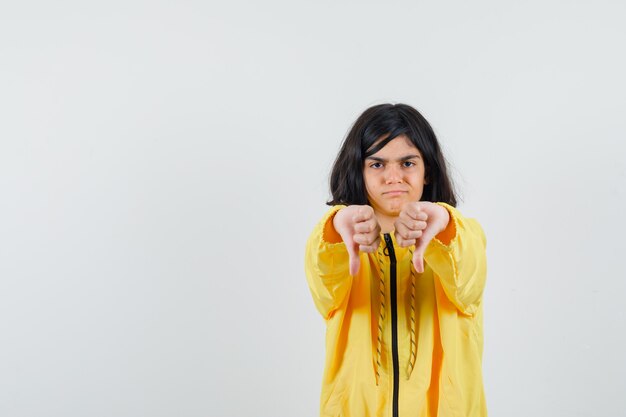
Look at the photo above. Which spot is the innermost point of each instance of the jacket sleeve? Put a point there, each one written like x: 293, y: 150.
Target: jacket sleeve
x: 327, y: 265
x: 457, y: 255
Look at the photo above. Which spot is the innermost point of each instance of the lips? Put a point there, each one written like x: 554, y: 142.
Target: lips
x: 393, y: 193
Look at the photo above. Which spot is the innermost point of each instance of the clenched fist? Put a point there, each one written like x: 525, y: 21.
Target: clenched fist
x: 359, y: 230
x: 417, y: 224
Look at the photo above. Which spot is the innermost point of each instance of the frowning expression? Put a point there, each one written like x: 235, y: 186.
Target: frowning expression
x: 393, y: 176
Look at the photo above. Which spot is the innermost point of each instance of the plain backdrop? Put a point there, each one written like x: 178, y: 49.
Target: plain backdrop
x: 163, y: 163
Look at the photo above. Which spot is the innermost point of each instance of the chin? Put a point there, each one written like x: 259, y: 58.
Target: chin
x: 394, y: 212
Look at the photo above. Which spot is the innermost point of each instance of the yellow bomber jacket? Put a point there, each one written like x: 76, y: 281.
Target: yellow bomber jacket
x: 400, y: 343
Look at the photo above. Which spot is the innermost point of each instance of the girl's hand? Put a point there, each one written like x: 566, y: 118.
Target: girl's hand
x: 418, y: 223
x: 359, y: 230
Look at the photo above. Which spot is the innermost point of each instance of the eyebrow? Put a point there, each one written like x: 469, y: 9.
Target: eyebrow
x: 404, y: 158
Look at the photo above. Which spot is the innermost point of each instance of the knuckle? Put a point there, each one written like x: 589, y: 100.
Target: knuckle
x: 365, y: 248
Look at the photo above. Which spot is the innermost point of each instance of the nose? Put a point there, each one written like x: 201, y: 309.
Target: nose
x: 393, y: 174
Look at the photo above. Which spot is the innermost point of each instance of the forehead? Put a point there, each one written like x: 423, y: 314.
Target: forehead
x: 398, y: 145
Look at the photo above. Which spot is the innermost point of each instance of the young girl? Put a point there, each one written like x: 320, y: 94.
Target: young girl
x: 398, y: 274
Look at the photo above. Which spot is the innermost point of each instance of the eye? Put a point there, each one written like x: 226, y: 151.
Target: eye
x: 376, y: 165
x: 408, y: 164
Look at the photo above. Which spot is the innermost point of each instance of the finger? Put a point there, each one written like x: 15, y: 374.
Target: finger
x: 354, y: 262
x: 364, y: 227
x: 355, y: 265
x: 353, y: 256
x: 412, y: 234
x: 375, y: 226
x: 420, y: 248
x: 418, y: 261
x: 405, y: 243
x: 369, y: 249
x: 422, y: 215
x: 412, y: 223
x: 402, y: 236
x: 416, y: 225
x: 402, y: 231
x: 363, y: 213
x: 365, y: 238
x: 416, y: 212
x: 413, y: 210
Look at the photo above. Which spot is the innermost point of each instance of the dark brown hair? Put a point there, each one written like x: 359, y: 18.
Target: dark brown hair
x: 347, y: 185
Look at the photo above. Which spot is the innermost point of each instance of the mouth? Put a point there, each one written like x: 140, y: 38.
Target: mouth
x: 394, y: 193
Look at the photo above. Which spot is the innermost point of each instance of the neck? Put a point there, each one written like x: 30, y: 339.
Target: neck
x: 385, y: 222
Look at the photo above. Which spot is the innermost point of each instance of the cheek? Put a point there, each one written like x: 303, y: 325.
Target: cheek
x: 368, y: 180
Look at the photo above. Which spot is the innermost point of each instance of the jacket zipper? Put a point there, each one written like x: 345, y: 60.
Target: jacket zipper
x: 394, y: 323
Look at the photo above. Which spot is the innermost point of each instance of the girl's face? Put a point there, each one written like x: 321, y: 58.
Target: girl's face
x: 393, y: 176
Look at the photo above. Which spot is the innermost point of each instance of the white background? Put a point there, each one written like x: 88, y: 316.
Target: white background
x: 162, y: 164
